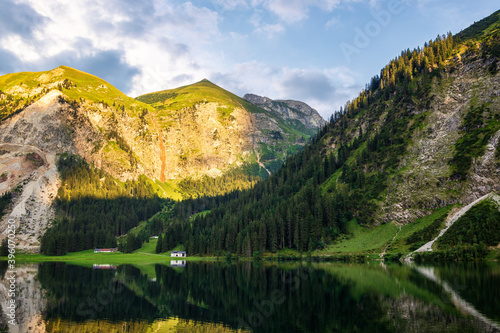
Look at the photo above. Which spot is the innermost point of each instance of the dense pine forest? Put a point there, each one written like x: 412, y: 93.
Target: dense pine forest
x: 5, y: 200
x: 481, y: 224
x: 233, y: 180
x: 93, y: 208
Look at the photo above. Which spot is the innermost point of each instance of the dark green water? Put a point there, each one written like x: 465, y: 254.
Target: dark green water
x: 221, y: 297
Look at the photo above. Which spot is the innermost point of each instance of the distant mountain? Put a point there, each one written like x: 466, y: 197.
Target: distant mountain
x: 294, y: 112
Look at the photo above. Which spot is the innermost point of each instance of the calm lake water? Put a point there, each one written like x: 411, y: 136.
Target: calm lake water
x: 251, y: 297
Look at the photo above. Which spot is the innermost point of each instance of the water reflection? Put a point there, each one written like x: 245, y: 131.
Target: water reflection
x: 220, y: 297
x: 177, y: 263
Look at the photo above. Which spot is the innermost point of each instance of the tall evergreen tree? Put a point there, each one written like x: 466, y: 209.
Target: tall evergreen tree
x: 159, y: 248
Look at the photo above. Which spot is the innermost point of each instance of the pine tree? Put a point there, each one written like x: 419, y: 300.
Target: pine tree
x: 159, y: 248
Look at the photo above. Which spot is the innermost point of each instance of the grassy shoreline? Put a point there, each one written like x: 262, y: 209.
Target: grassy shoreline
x: 88, y: 256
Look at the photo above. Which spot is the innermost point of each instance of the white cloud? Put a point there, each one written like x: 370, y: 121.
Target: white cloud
x: 289, y: 10
x: 270, y: 29
x: 375, y: 4
x: 265, y: 28
x: 333, y: 22
x: 329, y: 5
x: 23, y: 50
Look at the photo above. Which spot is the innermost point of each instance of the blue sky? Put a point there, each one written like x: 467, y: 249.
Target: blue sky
x: 319, y: 52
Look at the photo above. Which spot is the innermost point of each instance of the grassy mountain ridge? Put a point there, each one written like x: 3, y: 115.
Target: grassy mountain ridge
x: 190, y: 94
x: 19, y: 90
x: 74, y: 83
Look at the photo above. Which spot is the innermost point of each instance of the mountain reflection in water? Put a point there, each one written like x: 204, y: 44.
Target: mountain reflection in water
x: 261, y: 297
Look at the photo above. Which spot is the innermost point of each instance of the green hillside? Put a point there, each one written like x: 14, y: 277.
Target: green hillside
x: 186, y: 96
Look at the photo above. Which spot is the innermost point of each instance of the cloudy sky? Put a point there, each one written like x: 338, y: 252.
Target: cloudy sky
x: 318, y: 51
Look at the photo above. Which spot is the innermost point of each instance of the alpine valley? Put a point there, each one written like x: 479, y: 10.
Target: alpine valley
x: 415, y: 154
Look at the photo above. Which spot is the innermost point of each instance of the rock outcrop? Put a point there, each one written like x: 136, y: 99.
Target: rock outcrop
x: 290, y: 110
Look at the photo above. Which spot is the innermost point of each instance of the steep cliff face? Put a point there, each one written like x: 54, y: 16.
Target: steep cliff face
x: 291, y: 111
x: 421, y: 141
x: 29, y: 143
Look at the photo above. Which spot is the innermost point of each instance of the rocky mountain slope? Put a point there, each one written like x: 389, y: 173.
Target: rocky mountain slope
x: 435, y: 135
x: 424, y: 180
x: 206, y: 129
x: 294, y: 112
x: 30, y: 142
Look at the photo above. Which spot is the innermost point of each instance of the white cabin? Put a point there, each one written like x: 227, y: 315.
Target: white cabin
x: 178, y: 254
